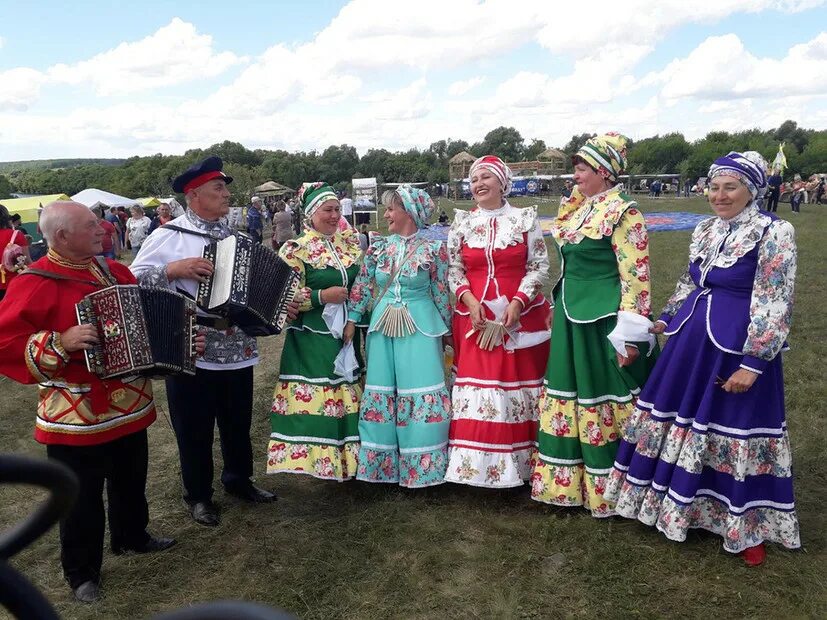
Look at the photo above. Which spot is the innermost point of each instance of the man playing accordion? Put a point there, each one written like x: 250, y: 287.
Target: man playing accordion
x: 222, y: 389
x: 95, y: 427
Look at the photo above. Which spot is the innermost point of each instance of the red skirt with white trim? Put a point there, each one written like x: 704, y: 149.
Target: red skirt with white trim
x: 495, y: 408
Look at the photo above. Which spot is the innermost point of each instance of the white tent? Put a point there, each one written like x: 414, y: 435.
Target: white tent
x: 97, y: 197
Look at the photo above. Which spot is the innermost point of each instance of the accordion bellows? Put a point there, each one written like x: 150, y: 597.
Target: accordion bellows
x: 250, y: 284
x: 141, y: 331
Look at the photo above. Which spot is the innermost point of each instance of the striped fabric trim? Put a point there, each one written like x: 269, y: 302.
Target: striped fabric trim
x: 325, y: 441
x: 87, y: 429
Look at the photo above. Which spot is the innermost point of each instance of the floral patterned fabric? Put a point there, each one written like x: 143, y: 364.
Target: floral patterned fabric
x: 314, y: 415
x: 497, y: 230
x: 611, y: 214
x: 692, y: 454
x: 499, y: 253
x: 380, y: 263
x: 718, y: 243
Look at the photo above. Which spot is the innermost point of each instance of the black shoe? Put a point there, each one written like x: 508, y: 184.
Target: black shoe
x: 252, y: 494
x: 150, y: 546
x: 205, y: 513
x: 87, y: 592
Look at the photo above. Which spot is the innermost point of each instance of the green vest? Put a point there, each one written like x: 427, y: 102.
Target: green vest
x: 589, y: 285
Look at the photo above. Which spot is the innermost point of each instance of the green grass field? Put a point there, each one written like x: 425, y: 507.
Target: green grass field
x: 354, y: 550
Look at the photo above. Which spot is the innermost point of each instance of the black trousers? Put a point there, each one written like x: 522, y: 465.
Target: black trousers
x: 772, y: 201
x: 122, y: 464
x: 196, y: 404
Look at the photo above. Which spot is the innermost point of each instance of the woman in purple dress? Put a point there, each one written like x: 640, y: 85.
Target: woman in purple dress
x: 707, y: 445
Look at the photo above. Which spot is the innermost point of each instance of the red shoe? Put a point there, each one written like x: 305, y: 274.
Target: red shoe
x: 755, y: 556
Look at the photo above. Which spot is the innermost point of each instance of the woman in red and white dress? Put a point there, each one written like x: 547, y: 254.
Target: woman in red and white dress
x: 498, y: 266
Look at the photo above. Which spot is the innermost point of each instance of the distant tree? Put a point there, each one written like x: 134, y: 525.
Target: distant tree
x: 338, y: 163
x: 454, y: 147
x: 504, y: 142
x: 658, y: 154
x: 573, y: 145
x: 534, y: 149
x: 6, y: 188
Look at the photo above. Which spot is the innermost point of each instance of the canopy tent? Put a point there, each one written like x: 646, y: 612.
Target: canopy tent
x: 93, y: 197
x: 271, y: 188
x: 149, y: 202
x: 28, y: 209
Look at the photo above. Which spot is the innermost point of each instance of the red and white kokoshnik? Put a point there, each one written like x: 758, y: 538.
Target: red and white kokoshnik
x: 499, y: 253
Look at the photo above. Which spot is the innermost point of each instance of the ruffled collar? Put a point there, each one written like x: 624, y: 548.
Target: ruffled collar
x: 720, y: 243
x: 491, y: 212
x: 594, y: 217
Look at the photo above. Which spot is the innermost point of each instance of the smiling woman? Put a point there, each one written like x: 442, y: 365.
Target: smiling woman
x: 707, y: 444
x: 315, y: 405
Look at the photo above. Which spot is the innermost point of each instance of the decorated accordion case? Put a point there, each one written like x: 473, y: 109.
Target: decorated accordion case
x: 250, y: 284
x: 148, y: 331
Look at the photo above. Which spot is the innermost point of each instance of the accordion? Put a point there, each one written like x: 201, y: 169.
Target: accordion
x: 141, y: 331
x: 250, y: 285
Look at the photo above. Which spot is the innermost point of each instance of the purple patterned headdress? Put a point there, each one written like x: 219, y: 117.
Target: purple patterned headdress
x: 742, y: 168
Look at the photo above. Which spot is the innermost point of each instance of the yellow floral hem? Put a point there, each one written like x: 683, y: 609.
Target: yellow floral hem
x: 326, y: 462
x: 292, y: 398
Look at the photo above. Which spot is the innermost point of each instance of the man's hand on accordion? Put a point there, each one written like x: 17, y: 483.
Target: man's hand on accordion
x: 189, y: 268
x: 293, y: 306
x: 79, y: 337
x: 200, y: 343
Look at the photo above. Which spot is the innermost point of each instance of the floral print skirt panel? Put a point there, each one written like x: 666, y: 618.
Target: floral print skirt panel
x: 315, y: 413
x: 405, y: 412
x: 587, y: 399
x: 695, y: 456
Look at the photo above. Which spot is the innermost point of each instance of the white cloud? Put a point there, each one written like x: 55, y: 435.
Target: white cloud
x: 462, y: 87
x: 175, y: 54
x: 722, y: 68
x: 21, y: 87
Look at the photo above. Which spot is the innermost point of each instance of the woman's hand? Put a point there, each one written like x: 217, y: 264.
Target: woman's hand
x: 348, y: 332
x: 475, y: 309
x: 550, y: 319
x: 447, y: 341
x: 200, y: 343
x: 333, y: 295
x: 740, y: 381
x: 631, y: 355
x: 79, y: 338
x: 512, y: 313
x: 658, y: 328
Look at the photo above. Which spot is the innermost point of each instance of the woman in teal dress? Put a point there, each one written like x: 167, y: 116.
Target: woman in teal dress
x: 405, y: 410
x: 315, y: 408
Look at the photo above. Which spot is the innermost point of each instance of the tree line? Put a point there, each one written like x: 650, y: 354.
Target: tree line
x: 806, y: 151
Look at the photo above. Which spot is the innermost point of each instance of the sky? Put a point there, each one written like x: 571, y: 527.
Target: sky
x: 114, y: 79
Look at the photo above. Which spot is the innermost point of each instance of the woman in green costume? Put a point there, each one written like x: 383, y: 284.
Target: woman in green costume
x: 315, y: 408
x: 601, y: 349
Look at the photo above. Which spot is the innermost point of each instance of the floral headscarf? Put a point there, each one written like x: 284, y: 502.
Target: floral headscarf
x: 497, y: 167
x: 738, y: 165
x: 606, y: 154
x: 417, y: 203
x: 314, y: 194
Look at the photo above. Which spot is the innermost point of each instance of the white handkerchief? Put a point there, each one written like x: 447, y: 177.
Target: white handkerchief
x: 345, y: 364
x: 335, y: 317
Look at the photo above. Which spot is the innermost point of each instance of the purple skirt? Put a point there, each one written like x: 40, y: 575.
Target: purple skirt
x: 695, y: 456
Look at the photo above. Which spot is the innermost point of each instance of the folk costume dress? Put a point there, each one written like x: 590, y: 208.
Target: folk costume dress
x: 315, y: 411
x: 406, y: 409
x: 603, y: 292
x: 497, y: 253
x: 694, y: 455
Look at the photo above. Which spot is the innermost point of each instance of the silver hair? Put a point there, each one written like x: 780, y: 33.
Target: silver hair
x: 54, y: 217
x: 388, y: 196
